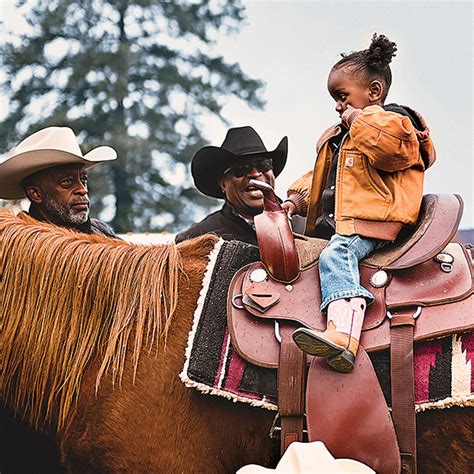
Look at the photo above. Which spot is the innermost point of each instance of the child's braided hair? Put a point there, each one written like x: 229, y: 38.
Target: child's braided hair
x: 374, y: 62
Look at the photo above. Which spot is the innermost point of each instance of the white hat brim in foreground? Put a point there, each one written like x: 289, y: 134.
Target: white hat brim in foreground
x: 310, y: 458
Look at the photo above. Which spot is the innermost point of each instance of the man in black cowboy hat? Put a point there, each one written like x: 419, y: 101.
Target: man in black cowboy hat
x: 224, y: 172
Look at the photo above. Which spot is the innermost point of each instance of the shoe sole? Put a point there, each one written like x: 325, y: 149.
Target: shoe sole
x: 315, y: 346
x: 342, y: 362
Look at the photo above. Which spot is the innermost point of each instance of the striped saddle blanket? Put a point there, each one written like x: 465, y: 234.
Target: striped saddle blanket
x: 443, y: 367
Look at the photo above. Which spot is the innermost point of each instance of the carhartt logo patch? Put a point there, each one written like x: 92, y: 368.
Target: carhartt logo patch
x: 349, y: 161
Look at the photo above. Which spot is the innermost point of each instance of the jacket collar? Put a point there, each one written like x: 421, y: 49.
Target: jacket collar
x: 230, y: 212
x: 329, y: 133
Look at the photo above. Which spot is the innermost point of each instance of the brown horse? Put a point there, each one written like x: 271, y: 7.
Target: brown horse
x: 93, y: 335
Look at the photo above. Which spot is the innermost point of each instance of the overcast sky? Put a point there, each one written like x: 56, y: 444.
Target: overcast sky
x: 292, y: 45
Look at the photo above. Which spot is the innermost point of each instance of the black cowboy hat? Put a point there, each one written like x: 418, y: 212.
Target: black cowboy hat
x: 241, y: 144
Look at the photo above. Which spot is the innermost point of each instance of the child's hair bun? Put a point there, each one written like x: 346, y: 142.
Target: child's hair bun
x: 380, y: 52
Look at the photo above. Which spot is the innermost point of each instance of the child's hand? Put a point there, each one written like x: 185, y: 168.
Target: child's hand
x: 289, y: 207
x: 345, y: 115
x: 349, y: 115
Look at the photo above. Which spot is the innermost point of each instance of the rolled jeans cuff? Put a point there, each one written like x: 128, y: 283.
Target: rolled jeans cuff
x: 361, y: 292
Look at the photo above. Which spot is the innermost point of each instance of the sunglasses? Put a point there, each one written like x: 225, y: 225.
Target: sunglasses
x: 238, y: 171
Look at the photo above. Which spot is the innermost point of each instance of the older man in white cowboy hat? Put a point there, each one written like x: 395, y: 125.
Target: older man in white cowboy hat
x: 49, y: 168
x: 224, y: 172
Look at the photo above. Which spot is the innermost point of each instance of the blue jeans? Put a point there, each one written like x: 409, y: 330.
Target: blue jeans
x: 339, y: 267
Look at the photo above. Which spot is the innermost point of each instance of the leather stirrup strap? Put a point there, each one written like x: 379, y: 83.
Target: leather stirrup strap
x: 291, y: 371
x: 402, y: 327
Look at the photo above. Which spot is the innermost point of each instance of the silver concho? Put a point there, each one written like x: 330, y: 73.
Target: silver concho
x: 444, y: 258
x: 379, y: 279
x: 258, y: 275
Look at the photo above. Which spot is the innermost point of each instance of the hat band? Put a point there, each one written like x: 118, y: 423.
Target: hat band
x: 247, y: 150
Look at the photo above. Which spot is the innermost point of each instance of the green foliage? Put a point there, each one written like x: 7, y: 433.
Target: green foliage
x: 138, y: 75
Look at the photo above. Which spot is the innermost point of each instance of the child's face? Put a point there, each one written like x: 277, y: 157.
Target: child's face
x: 350, y: 89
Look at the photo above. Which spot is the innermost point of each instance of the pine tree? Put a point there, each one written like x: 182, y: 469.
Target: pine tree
x: 137, y: 75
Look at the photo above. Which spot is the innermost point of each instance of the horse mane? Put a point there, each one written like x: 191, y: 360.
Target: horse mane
x: 68, y: 299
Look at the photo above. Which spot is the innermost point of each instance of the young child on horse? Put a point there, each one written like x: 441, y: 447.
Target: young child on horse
x: 367, y: 184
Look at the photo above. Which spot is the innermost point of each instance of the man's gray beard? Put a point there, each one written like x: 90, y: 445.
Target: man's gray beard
x: 63, y: 213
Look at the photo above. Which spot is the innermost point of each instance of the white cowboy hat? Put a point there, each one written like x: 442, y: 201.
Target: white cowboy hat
x: 309, y: 458
x: 51, y: 146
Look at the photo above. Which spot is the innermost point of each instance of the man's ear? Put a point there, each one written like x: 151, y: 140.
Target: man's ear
x: 221, y: 183
x: 34, y: 194
x: 375, y: 91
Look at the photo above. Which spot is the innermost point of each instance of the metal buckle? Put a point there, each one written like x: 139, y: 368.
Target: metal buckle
x: 277, y: 331
x: 275, y: 430
x: 234, y: 304
x: 415, y: 314
x: 446, y: 267
x: 445, y: 261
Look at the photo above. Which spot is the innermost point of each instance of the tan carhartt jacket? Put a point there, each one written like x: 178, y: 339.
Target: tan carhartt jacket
x: 379, y: 179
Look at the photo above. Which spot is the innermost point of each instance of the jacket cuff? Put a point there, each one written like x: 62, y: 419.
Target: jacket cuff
x: 349, y: 116
x: 299, y: 201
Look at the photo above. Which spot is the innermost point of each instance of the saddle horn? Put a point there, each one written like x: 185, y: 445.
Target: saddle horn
x: 275, y: 238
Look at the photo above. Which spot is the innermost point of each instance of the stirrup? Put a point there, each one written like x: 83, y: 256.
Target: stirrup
x: 314, y: 344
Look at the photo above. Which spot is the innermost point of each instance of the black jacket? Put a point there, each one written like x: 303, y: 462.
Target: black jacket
x: 225, y: 223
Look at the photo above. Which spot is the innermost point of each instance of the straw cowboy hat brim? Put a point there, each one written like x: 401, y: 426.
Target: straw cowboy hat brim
x: 52, y: 146
x: 240, y: 145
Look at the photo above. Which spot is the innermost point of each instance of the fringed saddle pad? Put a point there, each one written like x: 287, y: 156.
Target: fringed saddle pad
x: 443, y: 367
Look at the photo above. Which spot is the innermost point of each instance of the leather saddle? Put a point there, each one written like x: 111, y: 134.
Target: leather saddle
x: 423, y: 289
x: 421, y: 272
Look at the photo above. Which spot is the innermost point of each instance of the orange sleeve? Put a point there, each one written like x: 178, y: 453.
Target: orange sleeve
x: 299, y: 192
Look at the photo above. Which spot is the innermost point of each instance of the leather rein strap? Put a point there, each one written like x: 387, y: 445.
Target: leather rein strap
x: 402, y: 328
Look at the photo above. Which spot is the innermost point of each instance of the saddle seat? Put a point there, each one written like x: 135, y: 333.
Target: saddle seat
x: 437, y: 223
